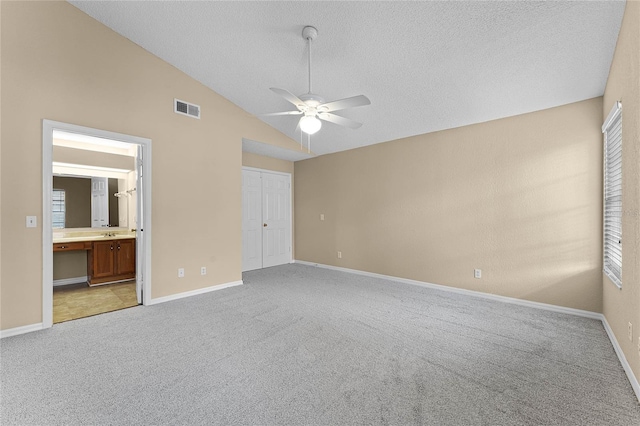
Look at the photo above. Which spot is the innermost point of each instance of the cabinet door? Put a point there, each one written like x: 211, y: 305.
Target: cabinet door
x: 103, y: 257
x: 126, y: 257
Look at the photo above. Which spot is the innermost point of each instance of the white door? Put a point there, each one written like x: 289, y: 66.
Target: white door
x: 139, y: 224
x: 266, y: 219
x: 99, y: 202
x: 251, y: 220
x: 276, y: 218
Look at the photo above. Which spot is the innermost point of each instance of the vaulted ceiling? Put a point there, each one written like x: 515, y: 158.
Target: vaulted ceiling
x: 425, y: 66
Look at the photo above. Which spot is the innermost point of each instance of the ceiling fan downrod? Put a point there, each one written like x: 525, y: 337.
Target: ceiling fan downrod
x: 309, y: 33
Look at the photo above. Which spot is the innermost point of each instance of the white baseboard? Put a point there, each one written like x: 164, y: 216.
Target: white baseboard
x: 67, y: 281
x: 20, y: 330
x: 545, y: 306
x: 623, y: 360
x: 512, y: 300
x: 194, y: 292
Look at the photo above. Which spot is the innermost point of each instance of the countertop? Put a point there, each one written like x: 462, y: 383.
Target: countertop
x: 72, y: 237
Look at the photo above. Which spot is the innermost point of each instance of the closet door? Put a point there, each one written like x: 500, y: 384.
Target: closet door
x: 266, y: 219
x: 276, y: 218
x: 251, y: 220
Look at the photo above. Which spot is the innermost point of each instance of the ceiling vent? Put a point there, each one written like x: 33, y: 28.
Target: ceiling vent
x: 185, y: 108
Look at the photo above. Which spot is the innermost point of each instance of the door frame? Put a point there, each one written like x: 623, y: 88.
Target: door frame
x: 255, y: 169
x: 48, y: 126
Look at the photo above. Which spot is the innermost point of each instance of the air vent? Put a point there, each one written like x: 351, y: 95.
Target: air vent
x: 185, y: 108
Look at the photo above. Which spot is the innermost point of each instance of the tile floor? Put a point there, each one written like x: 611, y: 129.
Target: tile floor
x: 79, y: 300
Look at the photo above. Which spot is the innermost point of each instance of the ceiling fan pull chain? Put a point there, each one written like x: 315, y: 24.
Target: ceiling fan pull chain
x: 308, y: 143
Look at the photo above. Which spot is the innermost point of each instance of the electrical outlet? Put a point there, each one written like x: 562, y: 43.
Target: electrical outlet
x: 181, y: 273
x: 630, y: 331
x: 339, y: 255
x: 203, y: 270
x: 321, y: 216
x: 477, y: 273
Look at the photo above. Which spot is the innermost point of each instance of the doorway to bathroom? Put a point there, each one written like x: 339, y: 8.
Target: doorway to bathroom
x: 96, y: 221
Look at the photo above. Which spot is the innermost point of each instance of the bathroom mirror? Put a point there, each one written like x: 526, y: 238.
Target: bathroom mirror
x: 72, y: 206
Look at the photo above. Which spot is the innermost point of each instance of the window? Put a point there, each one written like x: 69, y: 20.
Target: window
x: 58, y: 209
x: 612, y: 129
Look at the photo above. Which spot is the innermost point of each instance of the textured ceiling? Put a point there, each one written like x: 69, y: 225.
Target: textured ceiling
x: 426, y: 66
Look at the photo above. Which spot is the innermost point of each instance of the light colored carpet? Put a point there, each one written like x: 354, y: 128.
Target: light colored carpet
x: 303, y: 345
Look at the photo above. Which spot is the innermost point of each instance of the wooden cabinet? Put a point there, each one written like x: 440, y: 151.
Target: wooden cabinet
x: 102, y: 260
x: 126, y: 257
x: 112, y: 260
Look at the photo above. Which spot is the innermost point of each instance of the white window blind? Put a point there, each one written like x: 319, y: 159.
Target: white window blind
x: 612, y: 129
x: 58, y: 208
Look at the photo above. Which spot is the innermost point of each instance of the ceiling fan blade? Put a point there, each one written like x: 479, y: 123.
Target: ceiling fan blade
x: 345, y: 103
x: 281, y: 113
x: 336, y: 119
x: 288, y: 96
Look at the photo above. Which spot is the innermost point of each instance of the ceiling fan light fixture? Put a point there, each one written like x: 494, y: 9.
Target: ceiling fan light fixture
x: 310, y: 124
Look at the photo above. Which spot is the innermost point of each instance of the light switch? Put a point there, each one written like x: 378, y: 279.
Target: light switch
x: 321, y: 216
x: 31, y: 222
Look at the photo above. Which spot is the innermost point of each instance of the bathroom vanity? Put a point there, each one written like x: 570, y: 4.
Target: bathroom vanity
x: 111, y: 257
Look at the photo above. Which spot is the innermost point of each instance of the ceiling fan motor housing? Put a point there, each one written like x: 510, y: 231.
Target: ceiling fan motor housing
x: 311, y: 100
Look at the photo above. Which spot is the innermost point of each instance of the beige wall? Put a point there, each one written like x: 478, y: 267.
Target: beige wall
x: 519, y: 198
x: 69, y: 264
x: 622, y: 306
x: 1, y: 203
x: 60, y: 64
x: 250, y: 159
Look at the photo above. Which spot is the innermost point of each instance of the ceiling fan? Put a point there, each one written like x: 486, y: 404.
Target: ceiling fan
x: 312, y: 107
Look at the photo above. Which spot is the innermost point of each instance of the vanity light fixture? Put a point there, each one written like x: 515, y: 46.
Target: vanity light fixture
x: 82, y: 166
